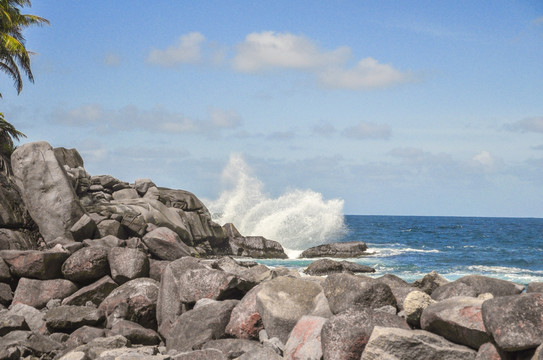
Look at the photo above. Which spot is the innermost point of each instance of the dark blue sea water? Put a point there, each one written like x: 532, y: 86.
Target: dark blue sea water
x: 412, y: 246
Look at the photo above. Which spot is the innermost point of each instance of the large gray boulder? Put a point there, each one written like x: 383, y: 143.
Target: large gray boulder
x: 86, y: 265
x: 257, y: 247
x: 474, y: 285
x: 281, y: 302
x: 345, y: 291
x: 67, y: 318
x: 37, y: 293
x: 127, y: 264
x: 165, y: 244
x: 394, y: 343
x: 95, y: 292
x: 35, y: 264
x: 430, y: 282
x: 352, y: 249
x: 327, y: 267
x: 46, y: 190
x: 68, y: 157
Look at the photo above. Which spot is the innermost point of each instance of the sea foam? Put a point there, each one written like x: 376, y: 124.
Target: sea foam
x: 298, y: 219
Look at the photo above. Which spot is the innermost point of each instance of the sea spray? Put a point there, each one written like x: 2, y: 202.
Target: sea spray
x: 298, y: 219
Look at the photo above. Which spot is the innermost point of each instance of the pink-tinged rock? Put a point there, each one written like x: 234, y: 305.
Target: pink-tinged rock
x: 156, y: 268
x: 86, y: 265
x: 67, y: 318
x: 95, y: 292
x: 458, y: 319
x: 37, y: 293
x: 489, y: 351
x: 165, y: 244
x: 344, y: 336
x: 245, y: 321
x: 515, y: 322
x: 304, y: 342
x: 127, y: 264
x: 140, y: 296
x: 35, y: 264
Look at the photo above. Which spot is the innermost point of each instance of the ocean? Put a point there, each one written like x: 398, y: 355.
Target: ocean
x: 412, y: 246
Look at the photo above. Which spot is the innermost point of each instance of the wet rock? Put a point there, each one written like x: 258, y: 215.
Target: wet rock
x: 515, y: 322
x: 283, y: 301
x: 95, y: 292
x: 393, y: 343
x: 476, y: 284
x: 35, y: 264
x: 66, y: 318
x: 37, y: 293
x: 195, y: 327
x: 345, y: 291
x: 327, y: 266
x: 430, y: 282
x: 352, y: 249
x: 414, y: 304
x: 245, y: 320
x: 86, y: 265
x: 165, y: 244
x: 140, y: 296
x: 344, y: 336
x: 127, y: 264
x: 457, y: 319
x: 304, y: 341
x: 135, y: 333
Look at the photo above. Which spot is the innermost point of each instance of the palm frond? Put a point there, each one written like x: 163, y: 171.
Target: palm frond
x: 7, y: 128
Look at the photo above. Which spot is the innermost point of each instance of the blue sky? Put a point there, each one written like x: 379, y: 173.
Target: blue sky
x: 399, y: 108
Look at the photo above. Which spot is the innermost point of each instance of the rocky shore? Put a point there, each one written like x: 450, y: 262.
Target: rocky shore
x: 92, y: 267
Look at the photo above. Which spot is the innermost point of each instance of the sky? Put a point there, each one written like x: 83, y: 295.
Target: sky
x: 395, y: 107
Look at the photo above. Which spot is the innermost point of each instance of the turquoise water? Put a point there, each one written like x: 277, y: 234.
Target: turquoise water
x: 412, y: 246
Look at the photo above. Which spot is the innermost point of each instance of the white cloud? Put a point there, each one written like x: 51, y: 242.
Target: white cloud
x: 187, y: 50
x: 407, y: 153
x: 269, y: 50
x: 533, y: 124
x: 367, y: 74
x: 366, y: 130
x: 484, y: 158
x: 225, y: 119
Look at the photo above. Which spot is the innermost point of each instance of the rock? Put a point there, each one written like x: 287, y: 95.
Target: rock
x: 86, y: 265
x: 108, y: 241
x: 457, y: 319
x: 245, y: 321
x: 37, y: 293
x: 84, y: 228
x: 32, y: 316
x: 327, y: 266
x: 344, y: 336
x: 67, y: 318
x: 231, y: 231
x: 165, y: 244
x: 281, y: 302
x: 141, y: 297
x: 84, y: 335
x: 534, y: 287
x: 489, y: 351
x: 13, y: 213
x: 233, y: 348
x: 477, y: 284
x: 16, y: 240
x: 31, y: 344
x: 515, y: 322
x: 194, y: 328
x: 400, y: 293
x: 352, y: 249
x: 414, y: 304
x: 257, y: 247
x: 304, y: 341
x: 11, y: 322
x: 6, y: 295
x: 68, y: 157
x: 393, y: 343
x: 125, y: 194
x: 208, y: 354
x: 345, y: 291
x: 35, y: 264
x: 430, y: 282
x: 393, y: 281
x: 5, y: 275
x: 97, y: 346
x: 142, y: 185
x: 135, y: 333
x: 67, y: 244
x: 186, y: 281
x: 95, y: 292
x: 254, y: 275
x: 46, y: 189
x: 127, y: 264
x: 260, y: 353
x: 156, y: 268
x: 111, y: 227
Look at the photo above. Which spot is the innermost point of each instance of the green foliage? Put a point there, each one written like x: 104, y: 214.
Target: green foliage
x: 7, y: 133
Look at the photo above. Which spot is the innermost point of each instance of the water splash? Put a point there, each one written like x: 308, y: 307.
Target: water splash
x: 298, y: 219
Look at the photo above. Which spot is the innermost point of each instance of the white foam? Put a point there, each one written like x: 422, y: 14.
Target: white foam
x: 386, y: 252
x: 298, y: 219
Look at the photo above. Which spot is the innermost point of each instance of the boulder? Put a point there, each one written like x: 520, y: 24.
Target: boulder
x: 454, y: 289
x: 37, y: 293
x: 207, y: 354
x: 352, y: 249
x: 264, y: 352
x: 195, y: 327
x: 32, y: 316
x: 414, y: 304
x: 165, y: 244
x: 281, y: 302
x: 232, y: 348
x: 135, y: 333
x: 127, y: 264
x: 534, y: 287
x: 327, y: 267
x: 457, y: 319
x: 67, y: 318
x: 30, y: 344
x: 393, y: 281
x: 394, y: 343
x: 95, y: 292
x: 108, y: 241
x: 186, y: 281
x: 489, y: 351
x: 125, y: 194
x: 35, y: 264
x: 140, y: 296
x: 86, y: 265
x: 344, y: 336
x: 142, y: 185
x: 69, y: 157
x: 245, y: 321
x: 17, y: 240
x: 345, y: 291
x: 84, y: 335
x: 515, y: 322
x: 476, y: 284
x: 46, y: 190
x: 111, y: 227
x: 156, y: 268
x: 257, y: 247
x: 254, y: 274
x: 304, y: 341
x: 84, y: 228
x: 5, y: 275
x: 6, y: 295
x: 11, y: 322
x: 430, y: 282
x: 400, y: 294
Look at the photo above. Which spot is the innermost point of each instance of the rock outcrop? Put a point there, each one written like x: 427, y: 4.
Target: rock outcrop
x: 353, y: 249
